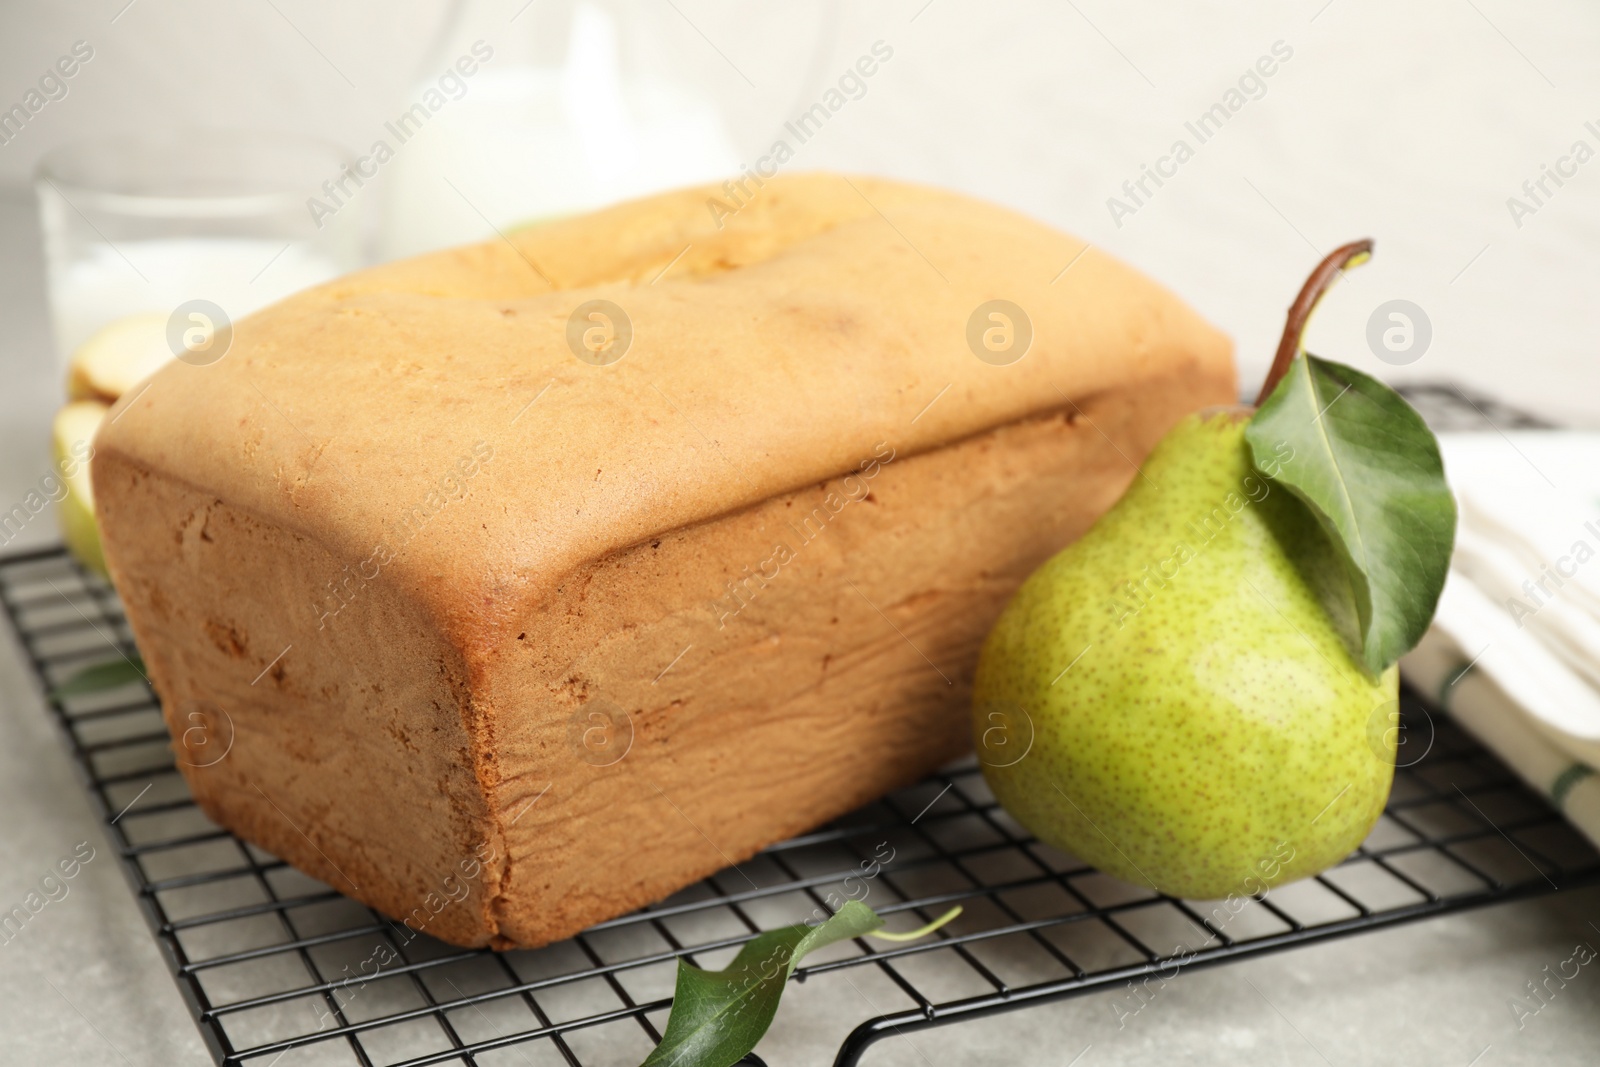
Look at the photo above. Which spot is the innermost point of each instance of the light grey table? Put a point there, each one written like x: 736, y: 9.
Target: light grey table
x: 84, y: 983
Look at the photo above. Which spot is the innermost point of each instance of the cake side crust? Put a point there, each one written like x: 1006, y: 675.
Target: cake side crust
x: 336, y: 741
x: 684, y: 703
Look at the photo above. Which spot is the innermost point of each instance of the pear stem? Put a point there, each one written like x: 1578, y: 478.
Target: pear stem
x: 1294, y: 326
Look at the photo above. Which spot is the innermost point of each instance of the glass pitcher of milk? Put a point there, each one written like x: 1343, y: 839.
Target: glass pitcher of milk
x: 535, y: 109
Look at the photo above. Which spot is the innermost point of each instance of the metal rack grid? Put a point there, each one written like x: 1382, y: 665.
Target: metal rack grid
x: 264, y: 956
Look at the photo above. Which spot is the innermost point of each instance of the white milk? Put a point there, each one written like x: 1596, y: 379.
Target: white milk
x: 527, y: 142
x: 239, y: 275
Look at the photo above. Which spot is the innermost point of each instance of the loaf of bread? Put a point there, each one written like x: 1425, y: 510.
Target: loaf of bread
x: 505, y: 611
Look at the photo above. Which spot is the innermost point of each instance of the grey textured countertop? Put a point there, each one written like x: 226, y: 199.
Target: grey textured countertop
x: 83, y: 981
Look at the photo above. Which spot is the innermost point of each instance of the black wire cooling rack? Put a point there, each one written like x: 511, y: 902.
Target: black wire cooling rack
x: 270, y: 962
x: 268, y: 959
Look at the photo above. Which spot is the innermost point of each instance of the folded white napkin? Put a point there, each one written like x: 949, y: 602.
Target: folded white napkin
x: 1514, y: 652
x: 1476, y: 701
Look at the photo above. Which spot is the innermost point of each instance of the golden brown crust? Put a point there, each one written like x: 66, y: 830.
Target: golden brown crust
x: 340, y: 748
x: 424, y: 427
x: 336, y: 411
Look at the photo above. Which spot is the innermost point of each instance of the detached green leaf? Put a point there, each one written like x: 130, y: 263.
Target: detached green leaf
x: 118, y: 672
x: 1368, y: 467
x: 718, y: 1016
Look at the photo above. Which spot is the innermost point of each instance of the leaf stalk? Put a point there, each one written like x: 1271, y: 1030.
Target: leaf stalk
x: 912, y: 935
x: 1294, y: 327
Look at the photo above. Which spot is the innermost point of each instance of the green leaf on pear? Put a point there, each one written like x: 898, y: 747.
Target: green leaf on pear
x: 1369, y: 469
x: 719, y: 1016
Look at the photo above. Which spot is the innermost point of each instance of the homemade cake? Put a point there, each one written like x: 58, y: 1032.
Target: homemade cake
x: 503, y: 641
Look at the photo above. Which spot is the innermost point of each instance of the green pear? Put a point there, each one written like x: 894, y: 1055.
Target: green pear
x: 72, y: 437
x: 110, y: 363
x: 1173, y: 698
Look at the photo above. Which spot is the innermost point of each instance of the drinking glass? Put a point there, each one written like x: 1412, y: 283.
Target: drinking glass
x: 140, y: 227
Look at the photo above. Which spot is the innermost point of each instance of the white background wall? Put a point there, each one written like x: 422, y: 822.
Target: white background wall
x: 1411, y: 123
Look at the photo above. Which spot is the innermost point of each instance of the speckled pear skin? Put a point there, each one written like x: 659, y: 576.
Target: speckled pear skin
x: 1213, y: 735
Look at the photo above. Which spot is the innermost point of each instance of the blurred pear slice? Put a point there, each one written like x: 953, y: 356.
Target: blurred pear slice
x: 72, y: 442
x: 118, y: 357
